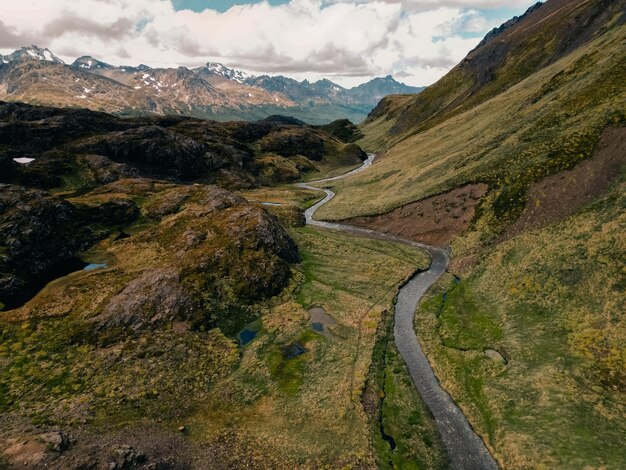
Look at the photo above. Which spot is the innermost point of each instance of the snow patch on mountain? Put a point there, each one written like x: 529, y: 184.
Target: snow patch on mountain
x: 223, y: 71
x: 31, y: 53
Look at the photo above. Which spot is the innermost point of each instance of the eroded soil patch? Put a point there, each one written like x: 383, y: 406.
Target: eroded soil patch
x: 435, y: 220
x: 558, y: 196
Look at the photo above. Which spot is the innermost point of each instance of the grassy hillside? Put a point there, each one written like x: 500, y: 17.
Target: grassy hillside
x: 111, y: 388
x: 508, y: 55
x: 148, y: 317
x: 529, y: 336
x: 552, y: 303
x: 547, y: 123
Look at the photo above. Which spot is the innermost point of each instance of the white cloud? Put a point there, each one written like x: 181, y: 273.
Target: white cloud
x: 349, y: 41
x: 431, y: 4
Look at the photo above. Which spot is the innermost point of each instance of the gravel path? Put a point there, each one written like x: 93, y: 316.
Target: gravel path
x: 466, y: 451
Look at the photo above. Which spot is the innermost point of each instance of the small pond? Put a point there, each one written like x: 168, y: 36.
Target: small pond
x: 245, y: 336
x: 250, y: 332
x: 94, y: 266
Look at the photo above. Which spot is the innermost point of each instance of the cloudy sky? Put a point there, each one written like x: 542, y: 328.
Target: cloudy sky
x: 349, y: 42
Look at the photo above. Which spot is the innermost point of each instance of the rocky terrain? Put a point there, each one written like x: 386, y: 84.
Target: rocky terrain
x: 37, y: 76
x: 74, y: 152
x: 121, y: 242
x: 185, y: 267
x: 163, y: 304
x: 129, y: 269
x: 93, y: 148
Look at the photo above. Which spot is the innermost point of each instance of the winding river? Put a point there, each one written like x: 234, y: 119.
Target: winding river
x: 465, y: 449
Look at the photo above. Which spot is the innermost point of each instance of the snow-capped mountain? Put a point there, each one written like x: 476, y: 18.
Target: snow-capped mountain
x: 88, y: 62
x: 31, y: 53
x: 217, y: 69
x: 33, y: 74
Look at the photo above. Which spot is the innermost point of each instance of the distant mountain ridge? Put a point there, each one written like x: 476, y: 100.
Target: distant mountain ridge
x: 36, y: 75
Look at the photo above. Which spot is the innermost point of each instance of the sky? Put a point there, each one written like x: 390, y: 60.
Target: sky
x: 349, y: 42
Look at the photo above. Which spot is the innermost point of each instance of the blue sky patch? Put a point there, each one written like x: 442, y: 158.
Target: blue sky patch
x: 219, y: 5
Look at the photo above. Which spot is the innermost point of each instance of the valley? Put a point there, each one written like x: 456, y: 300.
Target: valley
x: 100, y: 358
x: 530, y: 275
x: 440, y: 286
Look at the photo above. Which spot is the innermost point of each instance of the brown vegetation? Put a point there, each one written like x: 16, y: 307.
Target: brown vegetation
x: 434, y: 220
x: 558, y: 196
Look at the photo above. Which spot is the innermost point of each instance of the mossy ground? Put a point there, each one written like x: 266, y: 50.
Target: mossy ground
x: 256, y: 402
x: 310, y: 406
x: 551, y: 302
x: 396, y: 409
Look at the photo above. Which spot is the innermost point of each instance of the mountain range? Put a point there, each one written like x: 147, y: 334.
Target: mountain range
x: 36, y: 75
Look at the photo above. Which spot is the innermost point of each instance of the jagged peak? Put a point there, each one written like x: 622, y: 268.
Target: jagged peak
x: 31, y: 53
x: 217, y: 68
x: 89, y: 62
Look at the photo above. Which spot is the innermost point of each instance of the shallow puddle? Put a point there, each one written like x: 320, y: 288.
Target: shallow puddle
x: 320, y: 320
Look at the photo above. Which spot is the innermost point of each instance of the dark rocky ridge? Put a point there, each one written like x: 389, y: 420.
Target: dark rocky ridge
x: 506, y: 25
x: 37, y: 233
x: 92, y: 146
x: 94, y: 174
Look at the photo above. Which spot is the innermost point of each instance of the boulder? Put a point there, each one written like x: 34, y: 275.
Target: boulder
x: 155, y: 297
x: 56, y: 441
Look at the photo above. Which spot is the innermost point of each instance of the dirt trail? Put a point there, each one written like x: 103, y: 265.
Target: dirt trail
x: 465, y: 449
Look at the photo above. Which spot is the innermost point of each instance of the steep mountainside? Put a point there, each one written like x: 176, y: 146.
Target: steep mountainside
x: 517, y: 159
x: 35, y: 75
x: 549, y: 121
x: 509, y: 54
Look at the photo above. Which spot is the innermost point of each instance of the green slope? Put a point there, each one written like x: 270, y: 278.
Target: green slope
x: 541, y: 265
x: 546, y: 123
x: 523, y: 46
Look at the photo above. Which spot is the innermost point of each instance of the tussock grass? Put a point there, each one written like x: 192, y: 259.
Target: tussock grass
x: 544, y: 124
x: 264, y: 406
x: 551, y: 301
x: 310, y: 406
